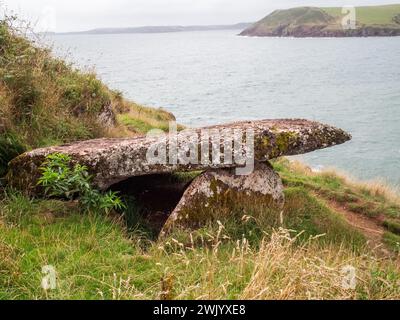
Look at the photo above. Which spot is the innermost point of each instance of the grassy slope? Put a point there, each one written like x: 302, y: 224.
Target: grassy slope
x: 297, y: 16
x: 373, y: 201
x: 44, y: 101
x: 371, y: 15
x: 237, y: 257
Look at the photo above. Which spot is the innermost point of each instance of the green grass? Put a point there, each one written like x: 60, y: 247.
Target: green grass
x: 232, y: 256
x: 86, y: 251
x: 357, y: 198
x: 300, y: 15
x: 392, y: 226
x: 142, y: 119
x: 139, y: 125
x: 392, y: 240
x: 371, y: 15
x: 304, y: 212
x: 97, y: 258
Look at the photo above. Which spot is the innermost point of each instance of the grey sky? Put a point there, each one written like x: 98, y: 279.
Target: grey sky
x: 73, y: 15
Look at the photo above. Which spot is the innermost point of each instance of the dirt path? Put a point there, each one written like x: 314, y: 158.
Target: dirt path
x: 370, y: 228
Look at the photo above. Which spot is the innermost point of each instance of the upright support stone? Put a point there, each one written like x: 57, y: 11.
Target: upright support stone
x: 217, y: 192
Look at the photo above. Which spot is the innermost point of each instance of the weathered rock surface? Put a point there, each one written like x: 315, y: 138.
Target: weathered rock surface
x: 212, y: 194
x: 114, y: 160
x: 321, y: 31
x: 107, y: 117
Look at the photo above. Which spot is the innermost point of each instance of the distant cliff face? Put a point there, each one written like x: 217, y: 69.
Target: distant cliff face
x: 327, y: 22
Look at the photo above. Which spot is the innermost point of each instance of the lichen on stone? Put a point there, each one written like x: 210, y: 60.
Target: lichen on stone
x: 217, y: 193
x: 113, y: 160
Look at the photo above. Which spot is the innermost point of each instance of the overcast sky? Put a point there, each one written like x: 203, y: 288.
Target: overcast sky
x: 75, y: 15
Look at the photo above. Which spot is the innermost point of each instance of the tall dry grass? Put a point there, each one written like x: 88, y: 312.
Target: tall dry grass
x: 278, y: 269
x: 284, y: 270
x: 376, y: 187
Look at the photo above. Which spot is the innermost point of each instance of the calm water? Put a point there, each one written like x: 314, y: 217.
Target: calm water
x: 214, y: 77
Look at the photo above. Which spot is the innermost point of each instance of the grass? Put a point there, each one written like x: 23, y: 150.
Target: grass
x: 300, y: 15
x: 248, y: 255
x: 392, y: 226
x: 45, y: 101
x: 141, y: 126
x: 392, y: 240
x: 374, y: 199
x: 142, y: 119
x: 371, y: 15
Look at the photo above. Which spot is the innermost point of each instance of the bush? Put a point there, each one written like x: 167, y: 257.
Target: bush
x: 61, y: 179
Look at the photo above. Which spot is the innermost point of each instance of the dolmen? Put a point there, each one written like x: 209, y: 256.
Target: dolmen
x: 232, y: 161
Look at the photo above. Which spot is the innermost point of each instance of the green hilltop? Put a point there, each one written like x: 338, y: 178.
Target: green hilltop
x: 327, y: 22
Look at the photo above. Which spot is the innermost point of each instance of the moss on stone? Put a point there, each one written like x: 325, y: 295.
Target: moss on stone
x: 276, y: 144
x: 218, y: 195
x: 227, y: 203
x: 284, y: 140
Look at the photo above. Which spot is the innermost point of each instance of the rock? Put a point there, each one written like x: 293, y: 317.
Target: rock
x: 322, y: 31
x: 219, y: 192
x: 107, y: 117
x: 241, y: 144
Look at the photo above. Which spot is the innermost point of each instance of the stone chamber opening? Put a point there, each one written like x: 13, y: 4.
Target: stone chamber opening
x: 151, y: 199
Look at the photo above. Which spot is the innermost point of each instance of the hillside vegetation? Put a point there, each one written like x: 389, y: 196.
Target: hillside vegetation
x: 45, y: 101
x: 327, y: 22
x: 252, y: 252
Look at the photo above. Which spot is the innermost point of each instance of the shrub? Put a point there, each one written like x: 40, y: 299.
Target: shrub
x: 61, y: 179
